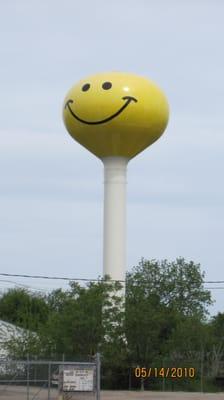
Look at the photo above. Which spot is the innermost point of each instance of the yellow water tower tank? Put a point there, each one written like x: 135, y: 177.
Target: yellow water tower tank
x: 115, y: 116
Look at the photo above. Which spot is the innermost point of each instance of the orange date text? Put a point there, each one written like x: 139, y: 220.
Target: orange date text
x: 165, y: 372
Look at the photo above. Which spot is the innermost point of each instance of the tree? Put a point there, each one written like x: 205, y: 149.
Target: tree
x: 74, y: 324
x: 162, y: 297
x: 28, y: 311
x: 82, y: 317
x: 164, y: 316
x: 22, y: 308
x: 215, y: 348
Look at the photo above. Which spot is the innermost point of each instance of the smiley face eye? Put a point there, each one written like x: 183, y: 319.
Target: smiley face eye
x: 106, y: 85
x: 85, y: 87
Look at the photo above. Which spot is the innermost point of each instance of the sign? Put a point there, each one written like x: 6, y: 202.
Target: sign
x: 78, y: 380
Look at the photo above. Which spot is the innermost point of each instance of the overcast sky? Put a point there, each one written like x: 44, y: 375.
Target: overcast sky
x: 51, y: 204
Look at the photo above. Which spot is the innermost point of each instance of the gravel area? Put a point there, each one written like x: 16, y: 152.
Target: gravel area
x: 20, y: 393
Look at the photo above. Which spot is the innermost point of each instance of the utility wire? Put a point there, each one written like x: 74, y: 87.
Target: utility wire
x: 217, y: 287
x: 75, y: 279
x: 62, y: 278
x: 21, y: 286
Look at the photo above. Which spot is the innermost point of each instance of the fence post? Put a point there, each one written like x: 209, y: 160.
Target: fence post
x: 202, y: 370
x: 97, y: 376
x: 28, y: 378
x: 49, y: 380
x: 35, y: 371
x: 129, y: 379
x: 164, y: 379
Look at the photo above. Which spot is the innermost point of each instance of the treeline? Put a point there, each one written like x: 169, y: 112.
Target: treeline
x: 165, y: 317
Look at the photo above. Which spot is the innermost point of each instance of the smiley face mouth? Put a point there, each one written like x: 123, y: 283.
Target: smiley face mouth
x: 128, y: 98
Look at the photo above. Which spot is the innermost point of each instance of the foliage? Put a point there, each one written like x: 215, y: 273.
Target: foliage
x: 215, y: 346
x: 24, y: 309
x: 74, y: 323
x: 163, y: 299
x: 164, y: 317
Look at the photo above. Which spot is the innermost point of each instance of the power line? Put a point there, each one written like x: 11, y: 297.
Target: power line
x: 63, y: 278
x: 214, y: 288
x: 49, y: 289
x: 20, y: 285
x: 15, y: 283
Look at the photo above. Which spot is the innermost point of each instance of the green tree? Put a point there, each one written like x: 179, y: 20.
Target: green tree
x: 162, y: 297
x: 164, y: 315
x: 22, y: 308
x: 215, y: 347
x: 82, y: 317
x: 27, y: 311
x: 74, y: 324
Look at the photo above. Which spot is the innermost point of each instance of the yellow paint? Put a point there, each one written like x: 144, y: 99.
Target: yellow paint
x: 107, y: 129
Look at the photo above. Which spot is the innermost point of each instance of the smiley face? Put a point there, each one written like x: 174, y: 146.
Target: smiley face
x: 127, y: 98
x: 115, y: 114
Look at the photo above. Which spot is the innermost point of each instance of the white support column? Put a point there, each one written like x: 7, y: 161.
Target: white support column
x: 114, y: 237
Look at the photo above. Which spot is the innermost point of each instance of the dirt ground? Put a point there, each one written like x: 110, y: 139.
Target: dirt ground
x: 20, y: 393
x: 159, y: 395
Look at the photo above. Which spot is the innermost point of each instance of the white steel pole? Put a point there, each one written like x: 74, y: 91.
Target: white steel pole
x: 114, y: 237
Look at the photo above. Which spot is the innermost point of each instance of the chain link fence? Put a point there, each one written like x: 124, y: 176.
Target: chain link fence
x: 42, y: 380
x: 167, y: 375
x: 49, y: 380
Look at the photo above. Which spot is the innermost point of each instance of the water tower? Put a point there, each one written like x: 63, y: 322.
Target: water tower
x: 115, y: 116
